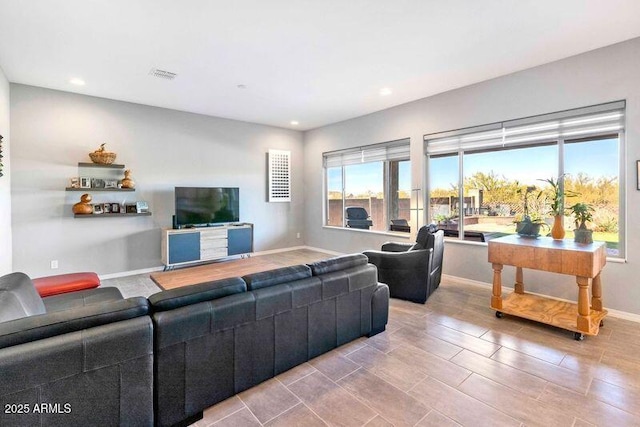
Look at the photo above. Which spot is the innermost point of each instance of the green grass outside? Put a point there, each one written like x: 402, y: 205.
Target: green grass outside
x: 612, y: 239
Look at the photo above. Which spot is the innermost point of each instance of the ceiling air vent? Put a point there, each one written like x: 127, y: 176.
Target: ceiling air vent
x: 167, y: 75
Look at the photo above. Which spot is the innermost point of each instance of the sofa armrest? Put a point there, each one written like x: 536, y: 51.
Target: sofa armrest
x: 396, y: 247
x: 399, y: 260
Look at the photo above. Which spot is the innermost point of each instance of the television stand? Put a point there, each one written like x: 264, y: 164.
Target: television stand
x: 192, y: 245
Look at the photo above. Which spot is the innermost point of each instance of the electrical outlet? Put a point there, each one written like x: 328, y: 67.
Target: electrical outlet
x: 297, y: 235
x: 54, y: 264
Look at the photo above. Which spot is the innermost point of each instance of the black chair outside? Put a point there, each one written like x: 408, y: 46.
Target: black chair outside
x: 400, y: 225
x: 358, y: 217
x: 412, y: 272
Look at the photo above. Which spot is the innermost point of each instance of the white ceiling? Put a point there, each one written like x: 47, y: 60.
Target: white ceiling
x: 314, y: 61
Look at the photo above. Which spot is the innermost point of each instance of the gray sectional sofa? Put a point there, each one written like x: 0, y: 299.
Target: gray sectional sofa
x: 82, y: 358
x: 164, y: 360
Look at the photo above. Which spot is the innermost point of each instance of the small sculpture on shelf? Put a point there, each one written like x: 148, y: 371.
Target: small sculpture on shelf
x: 84, y: 206
x: 127, y: 182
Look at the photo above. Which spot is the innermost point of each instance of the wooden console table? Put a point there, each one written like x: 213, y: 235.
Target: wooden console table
x: 585, y: 261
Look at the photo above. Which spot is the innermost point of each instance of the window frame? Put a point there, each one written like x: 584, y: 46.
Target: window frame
x: 403, y: 144
x: 559, y: 141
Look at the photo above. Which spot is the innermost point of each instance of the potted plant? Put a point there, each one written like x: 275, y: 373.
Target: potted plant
x: 557, y: 194
x: 531, y: 222
x: 582, y: 213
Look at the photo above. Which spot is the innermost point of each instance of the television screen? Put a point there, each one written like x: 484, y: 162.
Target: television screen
x: 207, y: 205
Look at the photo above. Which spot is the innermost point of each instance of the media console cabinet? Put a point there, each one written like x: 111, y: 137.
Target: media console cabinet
x: 192, y: 245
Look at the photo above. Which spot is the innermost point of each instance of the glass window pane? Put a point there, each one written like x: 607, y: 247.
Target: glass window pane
x: 363, y: 187
x: 443, y: 193
x: 593, y: 172
x: 496, y: 182
x: 334, y: 196
x: 399, y: 194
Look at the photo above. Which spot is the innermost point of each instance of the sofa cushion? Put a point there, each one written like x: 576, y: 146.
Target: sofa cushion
x: 25, y: 300
x: 47, y: 325
x: 81, y: 298
x: 187, y: 295
x: 338, y: 263
x: 277, y: 276
x: 63, y: 283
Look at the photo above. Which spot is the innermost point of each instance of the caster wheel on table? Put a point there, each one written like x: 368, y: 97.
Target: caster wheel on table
x: 601, y: 323
x: 578, y: 336
x: 499, y: 314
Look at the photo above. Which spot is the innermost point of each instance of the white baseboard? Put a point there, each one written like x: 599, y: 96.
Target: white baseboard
x: 130, y: 273
x: 326, y: 251
x: 613, y: 313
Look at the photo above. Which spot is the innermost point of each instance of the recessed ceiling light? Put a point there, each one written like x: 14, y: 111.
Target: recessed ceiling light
x: 385, y: 91
x: 241, y: 86
x: 77, y: 82
x: 294, y: 122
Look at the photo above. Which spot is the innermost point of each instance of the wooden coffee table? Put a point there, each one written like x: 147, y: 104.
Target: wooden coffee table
x: 584, y: 261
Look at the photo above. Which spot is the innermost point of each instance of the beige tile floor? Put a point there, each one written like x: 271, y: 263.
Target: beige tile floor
x: 452, y: 362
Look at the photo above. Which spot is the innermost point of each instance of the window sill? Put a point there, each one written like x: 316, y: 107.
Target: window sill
x: 394, y: 234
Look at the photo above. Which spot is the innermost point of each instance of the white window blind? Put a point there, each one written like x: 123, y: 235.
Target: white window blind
x: 394, y: 150
x: 569, y: 125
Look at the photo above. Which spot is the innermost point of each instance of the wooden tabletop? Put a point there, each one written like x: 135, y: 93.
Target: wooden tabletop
x: 544, y: 253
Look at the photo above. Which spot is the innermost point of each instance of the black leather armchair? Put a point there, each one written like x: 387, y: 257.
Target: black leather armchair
x: 358, y: 217
x: 412, y: 272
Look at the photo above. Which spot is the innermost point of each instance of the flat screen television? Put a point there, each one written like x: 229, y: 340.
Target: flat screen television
x: 201, y: 206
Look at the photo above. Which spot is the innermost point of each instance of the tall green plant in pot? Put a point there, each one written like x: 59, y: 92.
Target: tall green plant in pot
x: 556, y: 194
x: 531, y: 222
x: 582, y: 213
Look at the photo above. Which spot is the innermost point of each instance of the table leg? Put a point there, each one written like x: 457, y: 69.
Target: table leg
x: 584, y: 321
x: 596, y: 291
x: 519, y: 286
x: 496, y: 298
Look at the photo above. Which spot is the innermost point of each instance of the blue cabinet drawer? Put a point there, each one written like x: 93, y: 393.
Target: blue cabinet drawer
x: 184, y: 247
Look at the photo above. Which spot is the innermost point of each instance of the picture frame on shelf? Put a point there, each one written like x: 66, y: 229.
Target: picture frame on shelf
x: 130, y: 208
x: 142, y: 207
x: 115, y: 208
x: 106, y: 207
x: 85, y: 182
x: 74, y: 182
x: 110, y: 183
x: 97, y: 183
x: 97, y: 209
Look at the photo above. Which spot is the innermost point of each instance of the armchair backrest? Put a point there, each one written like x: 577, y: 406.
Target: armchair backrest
x: 424, y: 239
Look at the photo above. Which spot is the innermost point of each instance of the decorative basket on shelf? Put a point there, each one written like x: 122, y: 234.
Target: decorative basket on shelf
x: 102, y: 157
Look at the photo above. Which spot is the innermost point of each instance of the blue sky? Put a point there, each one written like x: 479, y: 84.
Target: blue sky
x: 594, y: 158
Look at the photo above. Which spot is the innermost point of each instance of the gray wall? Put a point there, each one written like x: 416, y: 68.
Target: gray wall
x: 52, y: 131
x: 599, y: 76
x: 5, y: 181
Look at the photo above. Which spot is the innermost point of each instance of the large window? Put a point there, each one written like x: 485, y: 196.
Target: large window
x: 478, y: 177
x: 369, y: 188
